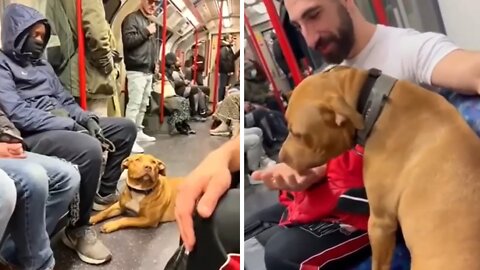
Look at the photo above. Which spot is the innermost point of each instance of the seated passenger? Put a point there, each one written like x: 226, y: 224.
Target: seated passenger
x: 53, y: 124
x: 177, y: 106
x: 228, y: 115
x: 184, y: 88
x: 36, y: 192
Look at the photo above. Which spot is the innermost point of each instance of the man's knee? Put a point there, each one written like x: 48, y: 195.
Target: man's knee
x: 70, y: 176
x: 32, y: 179
x: 8, y: 196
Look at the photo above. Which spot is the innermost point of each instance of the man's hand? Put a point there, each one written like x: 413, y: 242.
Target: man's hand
x: 94, y: 128
x: 152, y: 28
x: 12, y: 150
x: 207, y: 183
x: 282, y: 177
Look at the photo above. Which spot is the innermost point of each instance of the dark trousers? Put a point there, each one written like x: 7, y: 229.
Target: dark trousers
x: 321, y: 245
x: 86, y: 152
x: 223, y: 81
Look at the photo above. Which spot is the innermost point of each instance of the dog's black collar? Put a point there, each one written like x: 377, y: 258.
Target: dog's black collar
x: 145, y: 192
x: 373, y: 97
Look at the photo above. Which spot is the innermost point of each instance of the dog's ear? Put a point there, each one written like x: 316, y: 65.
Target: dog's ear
x: 162, y: 169
x: 125, y: 163
x: 344, y: 112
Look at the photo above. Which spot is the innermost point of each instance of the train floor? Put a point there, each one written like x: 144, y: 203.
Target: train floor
x: 148, y: 249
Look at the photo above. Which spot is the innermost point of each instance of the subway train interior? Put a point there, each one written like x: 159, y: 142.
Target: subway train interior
x: 286, y: 63
x: 193, y: 29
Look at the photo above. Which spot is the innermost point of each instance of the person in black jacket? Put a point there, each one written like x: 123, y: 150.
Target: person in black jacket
x: 140, y: 48
x: 227, y: 64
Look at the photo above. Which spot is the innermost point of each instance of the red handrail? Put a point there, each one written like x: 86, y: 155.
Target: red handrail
x: 217, y: 60
x: 284, y: 43
x: 82, y: 81
x: 380, y: 13
x: 195, y: 56
x: 164, y: 45
x: 263, y: 61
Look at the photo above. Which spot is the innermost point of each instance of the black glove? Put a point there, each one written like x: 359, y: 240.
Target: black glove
x: 94, y: 128
x: 79, y: 128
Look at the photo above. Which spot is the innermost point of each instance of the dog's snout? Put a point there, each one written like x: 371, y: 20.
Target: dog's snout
x: 148, y: 168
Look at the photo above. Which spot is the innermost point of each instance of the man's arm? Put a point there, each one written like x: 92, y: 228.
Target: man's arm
x: 133, y: 37
x: 432, y: 58
x: 459, y: 71
x: 97, y: 36
x: 24, y: 117
x: 231, y: 151
x: 68, y: 102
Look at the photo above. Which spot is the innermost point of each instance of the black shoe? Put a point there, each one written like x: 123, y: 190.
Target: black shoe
x: 189, y: 129
x: 181, y: 129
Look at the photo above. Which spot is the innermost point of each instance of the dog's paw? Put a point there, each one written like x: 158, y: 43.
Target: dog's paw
x: 94, y: 220
x: 108, y: 228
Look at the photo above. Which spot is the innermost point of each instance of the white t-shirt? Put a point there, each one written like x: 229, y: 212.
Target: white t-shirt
x: 404, y: 54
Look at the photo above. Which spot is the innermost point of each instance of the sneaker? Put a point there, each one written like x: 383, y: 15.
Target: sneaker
x: 266, y: 162
x: 142, y: 137
x: 221, y: 130
x: 101, y: 203
x: 198, y: 118
x: 137, y: 148
x: 84, y: 241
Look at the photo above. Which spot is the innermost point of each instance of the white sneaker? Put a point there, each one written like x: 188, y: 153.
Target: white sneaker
x: 222, y: 130
x: 266, y: 162
x: 137, y: 148
x: 142, y: 137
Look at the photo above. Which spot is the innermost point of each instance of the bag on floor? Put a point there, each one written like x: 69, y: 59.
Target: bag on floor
x: 179, y: 260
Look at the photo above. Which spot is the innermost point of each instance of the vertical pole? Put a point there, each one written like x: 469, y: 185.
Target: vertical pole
x: 82, y: 82
x: 195, y: 56
x: 284, y: 43
x: 217, y: 60
x: 380, y: 13
x: 164, y: 45
x: 257, y: 48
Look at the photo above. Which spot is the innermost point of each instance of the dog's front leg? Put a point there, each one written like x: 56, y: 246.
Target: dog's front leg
x: 127, y: 222
x: 112, y: 211
x: 382, y: 233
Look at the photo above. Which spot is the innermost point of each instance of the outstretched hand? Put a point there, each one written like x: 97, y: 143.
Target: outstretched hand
x: 282, y: 177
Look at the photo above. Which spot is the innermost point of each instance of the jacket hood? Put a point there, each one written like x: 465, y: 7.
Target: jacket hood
x: 16, y: 22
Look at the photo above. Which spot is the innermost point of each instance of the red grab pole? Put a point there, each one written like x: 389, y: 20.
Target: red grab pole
x: 164, y: 43
x: 217, y: 60
x: 82, y: 81
x: 282, y: 39
x: 276, y: 92
x: 195, y: 56
x: 380, y: 13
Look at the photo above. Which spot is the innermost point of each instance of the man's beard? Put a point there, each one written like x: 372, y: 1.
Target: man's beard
x: 341, y: 44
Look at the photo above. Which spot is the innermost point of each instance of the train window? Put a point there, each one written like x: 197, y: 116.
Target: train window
x: 269, y: 40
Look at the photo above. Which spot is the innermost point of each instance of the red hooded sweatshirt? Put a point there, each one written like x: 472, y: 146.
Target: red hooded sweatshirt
x: 319, y: 202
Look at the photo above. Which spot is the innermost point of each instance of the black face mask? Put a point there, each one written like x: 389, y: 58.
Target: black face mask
x: 33, y: 48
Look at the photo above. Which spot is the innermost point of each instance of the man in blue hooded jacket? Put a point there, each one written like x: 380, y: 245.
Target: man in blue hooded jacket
x: 53, y: 124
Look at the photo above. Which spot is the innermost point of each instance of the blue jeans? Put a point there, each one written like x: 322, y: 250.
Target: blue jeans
x: 45, y: 187
x: 8, y: 198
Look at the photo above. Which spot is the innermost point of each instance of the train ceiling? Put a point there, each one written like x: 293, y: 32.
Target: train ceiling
x: 184, y: 15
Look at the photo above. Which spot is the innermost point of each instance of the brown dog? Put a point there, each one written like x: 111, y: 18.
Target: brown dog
x: 148, y: 194
x: 421, y: 165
